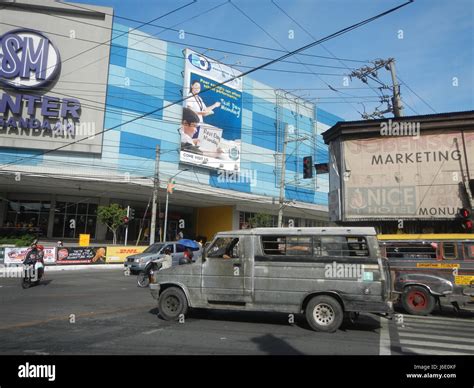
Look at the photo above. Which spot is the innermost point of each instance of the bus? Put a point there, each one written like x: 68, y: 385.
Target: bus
x: 431, y: 269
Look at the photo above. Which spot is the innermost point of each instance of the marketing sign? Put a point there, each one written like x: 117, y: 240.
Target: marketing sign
x: 212, y: 115
x: 408, y: 177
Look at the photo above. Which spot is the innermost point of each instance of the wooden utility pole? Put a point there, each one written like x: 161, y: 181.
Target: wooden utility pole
x: 156, y: 186
x: 396, y: 99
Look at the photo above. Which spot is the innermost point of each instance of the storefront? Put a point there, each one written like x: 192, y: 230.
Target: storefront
x: 86, y: 101
x: 403, y: 175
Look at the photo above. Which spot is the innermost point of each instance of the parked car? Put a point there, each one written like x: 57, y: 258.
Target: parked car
x: 138, y: 262
x: 325, y: 273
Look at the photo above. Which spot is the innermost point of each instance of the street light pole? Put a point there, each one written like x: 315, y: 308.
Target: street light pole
x: 166, y: 214
x: 170, y: 180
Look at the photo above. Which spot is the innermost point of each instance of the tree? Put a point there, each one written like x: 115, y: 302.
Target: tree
x: 261, y: 220
x: 112, y: 216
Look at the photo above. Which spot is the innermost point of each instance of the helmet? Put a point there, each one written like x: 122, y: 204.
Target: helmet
x: 40, y: 247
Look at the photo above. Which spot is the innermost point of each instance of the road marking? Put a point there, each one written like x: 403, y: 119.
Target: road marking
x: 36, y: 352
x: 153, y: 331
x: 435, y: 318
x: 438, y: 345
x: 451, y: 326
x: 423, y: 351
x: 434, y: 336
x: 385, y: 343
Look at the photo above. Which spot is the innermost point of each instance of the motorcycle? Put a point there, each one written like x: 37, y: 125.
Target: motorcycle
x: 144, y: 277
x: 33, y: 269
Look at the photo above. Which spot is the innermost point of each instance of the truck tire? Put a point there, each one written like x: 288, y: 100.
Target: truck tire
x: 172, y: 304
x: 417, y: 300
x: 324, y: 313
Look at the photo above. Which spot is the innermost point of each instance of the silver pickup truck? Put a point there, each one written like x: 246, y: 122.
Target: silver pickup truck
x: 321, y: 272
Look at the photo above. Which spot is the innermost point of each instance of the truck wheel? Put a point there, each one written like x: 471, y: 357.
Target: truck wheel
x: 324, y: 313
x: 172, y: 304
x: 417, y: 300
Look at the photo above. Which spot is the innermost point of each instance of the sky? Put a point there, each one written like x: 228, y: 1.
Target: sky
x: 432, y: 42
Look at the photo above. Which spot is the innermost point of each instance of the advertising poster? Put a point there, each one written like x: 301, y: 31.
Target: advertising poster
x: 119, y: 254
x: 212, y: 118
x: 17, y: 255
x: 81, y: 255
x: 407, y: 176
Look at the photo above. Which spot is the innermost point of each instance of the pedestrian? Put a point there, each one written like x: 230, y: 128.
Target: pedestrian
x: 167, y: 260
x: 188, y: 256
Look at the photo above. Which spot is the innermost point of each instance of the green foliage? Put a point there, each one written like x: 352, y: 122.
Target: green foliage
x: 111, y: 216
x: 19, y: 241
x: 261, y: 220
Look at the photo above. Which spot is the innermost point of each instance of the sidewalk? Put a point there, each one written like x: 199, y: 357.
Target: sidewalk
x: 56, y: 268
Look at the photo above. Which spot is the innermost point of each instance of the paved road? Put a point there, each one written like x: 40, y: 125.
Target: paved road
x: 104, y: 312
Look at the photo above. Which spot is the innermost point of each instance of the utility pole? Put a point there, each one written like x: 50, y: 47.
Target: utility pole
x: 126, y: 228
x: 283, y: 168
x: 156, y: 186
x: 366, y: 72
x: 282, y: 178
x: 396, y: 100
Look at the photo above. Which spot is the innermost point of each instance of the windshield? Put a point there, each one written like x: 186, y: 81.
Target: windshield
x: 155, y: 248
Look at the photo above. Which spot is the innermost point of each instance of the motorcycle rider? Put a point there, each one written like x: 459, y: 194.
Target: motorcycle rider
x: 35, y: 257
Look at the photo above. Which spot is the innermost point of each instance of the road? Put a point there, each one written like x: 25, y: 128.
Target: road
x: 104, y: 312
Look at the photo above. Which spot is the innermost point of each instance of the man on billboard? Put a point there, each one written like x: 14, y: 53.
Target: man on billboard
x: 188, y: 129
x: 196, y: 103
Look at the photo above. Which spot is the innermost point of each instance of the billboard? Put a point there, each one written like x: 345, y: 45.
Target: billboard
x: 43, y: 97
x: 406, y: 177
x: 118, y: 254
x: 17, y: 255
x: 81, y: 255
x: 212, y: 117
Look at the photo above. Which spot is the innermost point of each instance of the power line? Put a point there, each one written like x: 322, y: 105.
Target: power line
x: 125, y: 33
x: 220, y: 39
x: 289, y: 54
x: 311, y: 35
x: 423, y: 100
x: 180, y: 57
x: 278, y: 43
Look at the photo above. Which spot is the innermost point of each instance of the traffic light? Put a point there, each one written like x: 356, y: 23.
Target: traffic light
x: 131, y: 215
x: 465, y: 215
x: 307, y: 167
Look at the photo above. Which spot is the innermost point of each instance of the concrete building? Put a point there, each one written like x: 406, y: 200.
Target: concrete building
x: 107, y: 107
x: 402, y: 175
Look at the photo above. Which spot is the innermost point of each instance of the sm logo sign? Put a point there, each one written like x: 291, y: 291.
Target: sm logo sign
x: 28, y: 59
